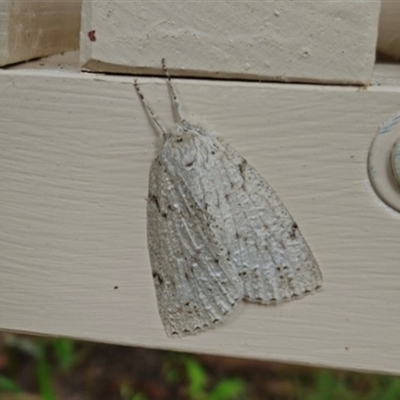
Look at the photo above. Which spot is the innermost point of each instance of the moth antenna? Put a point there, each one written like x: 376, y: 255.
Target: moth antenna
x: 171, y: 87
x: 150, y: 111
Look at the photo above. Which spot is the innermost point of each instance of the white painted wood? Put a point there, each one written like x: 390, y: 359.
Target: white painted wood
x: 317, y: 41
x: 75, y: 155
x: 386, y: 74
x: 37, y: 28
x: 389, y: 29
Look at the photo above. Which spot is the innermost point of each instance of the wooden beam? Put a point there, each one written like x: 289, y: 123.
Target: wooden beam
x: 289, y: 41
x: 75, y: 155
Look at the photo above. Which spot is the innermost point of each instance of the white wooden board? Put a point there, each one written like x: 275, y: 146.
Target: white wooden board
x: 317, y: 41
x: 37, y: 28
x: 75, y: 155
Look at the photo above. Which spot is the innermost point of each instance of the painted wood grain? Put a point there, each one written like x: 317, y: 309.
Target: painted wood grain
x: 75, y: 155
x: 317, y: 41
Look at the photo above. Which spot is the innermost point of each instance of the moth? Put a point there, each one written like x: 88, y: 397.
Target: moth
x: 217, y: 232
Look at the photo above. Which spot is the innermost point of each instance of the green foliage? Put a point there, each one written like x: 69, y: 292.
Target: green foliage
x: 64, y: 349
x: 9, y: 385
x: 188, y: 377
x: 228, y: 389
x: 139, y: 396
x: 198, y: 381
x: 44, y: 373
x: 42, y: 350
x: 383, y: 388
x: 330, y: 386
x: 127, y: 392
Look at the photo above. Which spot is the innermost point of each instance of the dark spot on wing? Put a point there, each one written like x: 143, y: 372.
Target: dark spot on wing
x: 293, y: 230
x: 242, y: 166
x: 189, y: 164
x: 164, y: 215
x: 158, y: 277
x: 153, y: 198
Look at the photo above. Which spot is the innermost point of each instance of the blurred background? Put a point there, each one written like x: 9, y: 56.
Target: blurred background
x: 38, y: 368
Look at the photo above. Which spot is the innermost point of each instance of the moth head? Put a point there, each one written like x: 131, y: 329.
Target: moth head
x: 186, y: 146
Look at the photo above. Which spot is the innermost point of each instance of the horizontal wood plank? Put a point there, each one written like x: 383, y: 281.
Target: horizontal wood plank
x: 75, y: 155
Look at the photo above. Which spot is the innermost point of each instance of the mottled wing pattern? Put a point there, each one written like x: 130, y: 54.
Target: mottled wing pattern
x: 196, y: 285
x: 271, y: 256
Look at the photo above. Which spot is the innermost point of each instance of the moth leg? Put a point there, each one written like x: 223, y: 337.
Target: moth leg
x: 177, y: 103
x: 150, y: 111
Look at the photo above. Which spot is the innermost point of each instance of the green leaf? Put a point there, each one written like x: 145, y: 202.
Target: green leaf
x: 198, y: 379
x: 392, y: 392
x: 64, y: 349
x: 44, y: 374
x: 9, y: 385
x: 228, y: 389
